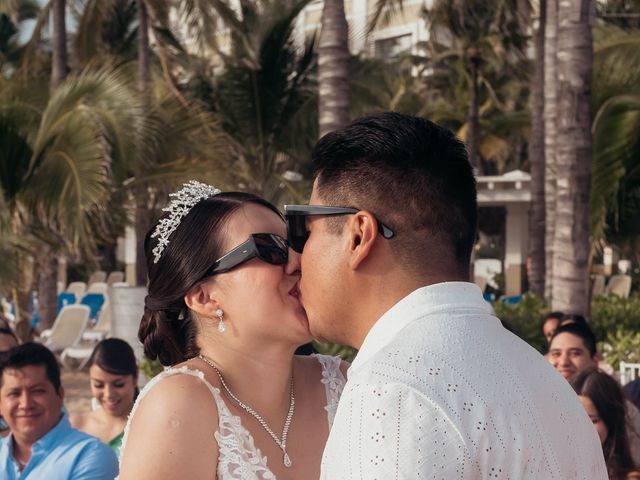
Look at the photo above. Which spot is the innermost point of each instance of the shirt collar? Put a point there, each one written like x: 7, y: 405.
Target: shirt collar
x: 423, y: 301
x: 53, y: 436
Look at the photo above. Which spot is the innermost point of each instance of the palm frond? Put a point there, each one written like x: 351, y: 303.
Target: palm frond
x: 616, y: 148
x: 91, y: 124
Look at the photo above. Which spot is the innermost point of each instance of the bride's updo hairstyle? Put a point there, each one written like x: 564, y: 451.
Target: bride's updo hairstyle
x: 167, y: 330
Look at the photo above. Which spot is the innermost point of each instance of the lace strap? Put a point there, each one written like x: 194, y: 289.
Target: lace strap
x: 333, y: 381
x: 162, y: 375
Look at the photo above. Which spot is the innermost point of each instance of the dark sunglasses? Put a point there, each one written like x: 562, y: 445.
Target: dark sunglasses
x: 296, y: 218
x: 268, y: 247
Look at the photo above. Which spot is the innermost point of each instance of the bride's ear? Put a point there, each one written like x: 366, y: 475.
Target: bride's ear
x: 201, y: 299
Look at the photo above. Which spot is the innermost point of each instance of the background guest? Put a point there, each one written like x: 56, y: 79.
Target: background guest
x: 549, y: 323
x: 8, y: 339
x: 573, y: 350
x: 113, y: 374
x: 42, y: 443
x: 602, y: 399
x: 573, y: 318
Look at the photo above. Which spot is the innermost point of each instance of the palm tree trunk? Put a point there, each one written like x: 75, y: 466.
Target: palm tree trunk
x: 143, y: 46
x: 473, y: 130
x: 571, y: 246
x: 47, y: 275
x: 142, y: 226
x: 142, y: 223
x: 550, y: 136
x: 536, y: 161
x: 333, y: 68
x: 59, y: 67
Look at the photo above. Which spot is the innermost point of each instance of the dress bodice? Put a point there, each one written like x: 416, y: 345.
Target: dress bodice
x: 238, y: 457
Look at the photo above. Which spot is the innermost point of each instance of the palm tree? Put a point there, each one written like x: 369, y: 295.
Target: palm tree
x: 333, y: 68
x: 570, y: 291
x: 550, y: 137
x: 152, y: 11
x: 442, y: 91
x: 478, y: 29
x: 48, y: 264
x: 616, y: 138
x: 536, y: 163
x: 60, y: 178
x: 263, y: 98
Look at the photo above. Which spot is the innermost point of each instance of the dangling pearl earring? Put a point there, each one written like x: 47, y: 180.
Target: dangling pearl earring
x: 221, y: 326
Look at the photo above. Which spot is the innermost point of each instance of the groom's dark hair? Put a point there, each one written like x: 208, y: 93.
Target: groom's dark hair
x: 413, y: 175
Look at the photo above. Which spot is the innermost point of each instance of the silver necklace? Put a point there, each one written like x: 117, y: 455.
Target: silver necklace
x: 282, y: 443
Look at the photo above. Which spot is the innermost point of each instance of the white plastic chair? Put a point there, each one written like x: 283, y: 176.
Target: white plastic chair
x: 598, y: 285
x: 629, y: 372
x: 97, y: 276
x: 115, y: 277
x: 77, y: 288
x: 68, y: 328
x: 98, y: 287
x: 487, y: 268
x: 619, y: 285
x: 102, y: 328
x: 76, y: 357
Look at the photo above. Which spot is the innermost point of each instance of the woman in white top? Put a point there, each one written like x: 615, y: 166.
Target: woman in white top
x: 223, y: 310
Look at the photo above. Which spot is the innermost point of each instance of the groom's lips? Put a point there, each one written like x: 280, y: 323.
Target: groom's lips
x: 295, y: 291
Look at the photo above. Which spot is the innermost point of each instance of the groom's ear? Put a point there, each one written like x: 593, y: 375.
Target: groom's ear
x: 362, y: 229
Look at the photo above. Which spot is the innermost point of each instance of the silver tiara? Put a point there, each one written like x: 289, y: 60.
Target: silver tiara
x: 182, y: 203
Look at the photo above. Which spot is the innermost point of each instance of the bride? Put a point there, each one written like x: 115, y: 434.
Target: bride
x: 223, y: 311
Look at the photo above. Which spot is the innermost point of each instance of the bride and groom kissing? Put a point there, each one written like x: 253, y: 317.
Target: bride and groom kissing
x: 379, y: 260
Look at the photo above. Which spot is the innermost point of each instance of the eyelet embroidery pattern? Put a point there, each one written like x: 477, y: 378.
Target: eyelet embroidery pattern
x: 238, y: 457
x: 458, y: 408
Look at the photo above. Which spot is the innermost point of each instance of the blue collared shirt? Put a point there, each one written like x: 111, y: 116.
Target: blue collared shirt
x: 62, y: 454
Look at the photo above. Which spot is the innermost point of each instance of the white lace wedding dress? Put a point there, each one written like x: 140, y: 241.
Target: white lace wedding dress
x: 239, y: 459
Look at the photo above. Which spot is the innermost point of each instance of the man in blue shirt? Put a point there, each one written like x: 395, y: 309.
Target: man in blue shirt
x: 42, y: 443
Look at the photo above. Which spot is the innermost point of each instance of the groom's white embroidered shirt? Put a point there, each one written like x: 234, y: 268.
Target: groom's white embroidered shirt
x: 440, y: 390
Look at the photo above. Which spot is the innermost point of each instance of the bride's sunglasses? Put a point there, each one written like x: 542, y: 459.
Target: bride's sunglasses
x: 296, y: 217
x: 268, y: 247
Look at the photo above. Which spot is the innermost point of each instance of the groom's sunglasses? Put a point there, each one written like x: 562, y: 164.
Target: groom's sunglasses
x: 268, y: 247
x: 296, y: 218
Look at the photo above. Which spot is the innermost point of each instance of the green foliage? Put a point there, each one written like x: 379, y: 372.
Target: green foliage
x: 335, y: 350
x: 442, y: 88
x: 615, y: 322
x: 262, y: 96
x: 621, y: 345
x: 524, y: 319
x: 150, y: 368
x: 615, y: 186
x: 612, y: 313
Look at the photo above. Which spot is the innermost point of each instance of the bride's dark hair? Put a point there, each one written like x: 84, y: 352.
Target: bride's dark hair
x: 193, y: 247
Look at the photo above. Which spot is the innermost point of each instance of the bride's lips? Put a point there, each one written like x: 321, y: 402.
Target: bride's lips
x: 295, y: 290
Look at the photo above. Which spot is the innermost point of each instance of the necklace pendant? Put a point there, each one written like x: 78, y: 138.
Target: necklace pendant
x: 286, y: 460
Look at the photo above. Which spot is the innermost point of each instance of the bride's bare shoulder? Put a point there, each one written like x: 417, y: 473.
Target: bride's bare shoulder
x: 178, y: 412
x: 181, y: 391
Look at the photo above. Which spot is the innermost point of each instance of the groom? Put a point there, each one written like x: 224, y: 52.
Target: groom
x: 439, y: 389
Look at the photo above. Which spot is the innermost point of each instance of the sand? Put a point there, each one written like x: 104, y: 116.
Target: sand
x: 77, y: 391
